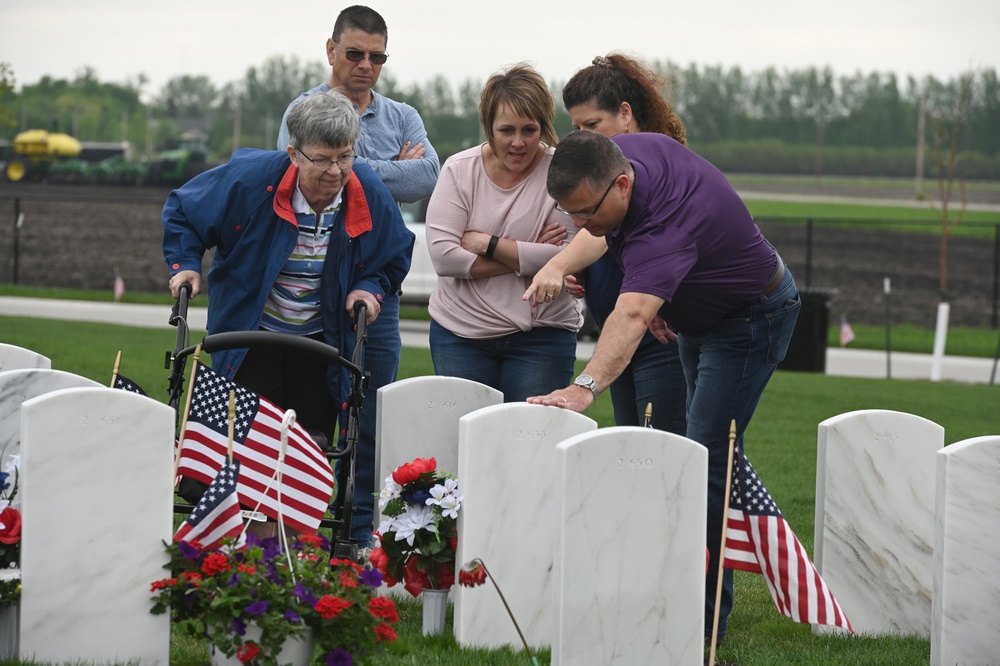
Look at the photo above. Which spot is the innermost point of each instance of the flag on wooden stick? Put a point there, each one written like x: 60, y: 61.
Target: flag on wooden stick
x: 119, y: 286
x: 217, y: 514
x: 846, y: 332
x: 759, y: 540
x: 306, y: 479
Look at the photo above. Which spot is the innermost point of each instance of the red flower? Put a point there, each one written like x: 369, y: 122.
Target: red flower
x: 444, y: 574
x: 380, y: 560
x: 215, y: 563
x: 415, y: 579
x: 330, y: 607
x: 158, y: 585
x: 411, y: 471
x: 384, y: 632
x: 311, y: 539
x: 348, y: 579
x: 247, y: 652
x: 383, y: 608
x: 472, y: 574
x: 11, y: 519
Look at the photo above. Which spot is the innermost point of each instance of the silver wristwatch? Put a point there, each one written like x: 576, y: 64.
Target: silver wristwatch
x: 587, y: 382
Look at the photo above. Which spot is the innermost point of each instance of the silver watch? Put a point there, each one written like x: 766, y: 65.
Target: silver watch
x: 587, y: 382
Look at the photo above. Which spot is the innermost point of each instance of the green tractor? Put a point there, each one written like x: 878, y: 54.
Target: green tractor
x: 179, y: 165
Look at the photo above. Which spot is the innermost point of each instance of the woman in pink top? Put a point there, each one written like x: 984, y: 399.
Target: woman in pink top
x: 491, y: 225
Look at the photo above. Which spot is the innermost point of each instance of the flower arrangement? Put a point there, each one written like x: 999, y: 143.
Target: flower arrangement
x: 285, y: 593
x: 418, y: 538
x: 10, y: 531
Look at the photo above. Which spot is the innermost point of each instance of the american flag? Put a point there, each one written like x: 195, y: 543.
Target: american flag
x: 759, y: 540
x: 307, y: 479
x: 119, y: 286
x: 126, y: 384
x: 846, y: 332
x: 217, y: 514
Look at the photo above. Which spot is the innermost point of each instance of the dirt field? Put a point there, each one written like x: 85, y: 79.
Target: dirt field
x: 77, y: 237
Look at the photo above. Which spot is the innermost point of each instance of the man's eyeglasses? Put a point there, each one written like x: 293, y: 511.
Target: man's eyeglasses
x: 589, y: 214
x: 355, y: 55
x: 325, y: 163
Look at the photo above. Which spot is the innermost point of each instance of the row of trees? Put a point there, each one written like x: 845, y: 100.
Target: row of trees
x: 811, y: 110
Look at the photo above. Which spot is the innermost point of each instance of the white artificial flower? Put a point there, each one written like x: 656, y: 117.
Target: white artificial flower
x: 415, y: 518
x: 13, y: 464
x: 450, y: 505
x: 389, y: 493
x: 437, y: 493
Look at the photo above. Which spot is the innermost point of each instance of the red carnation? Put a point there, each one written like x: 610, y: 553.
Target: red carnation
x: 411, y: 471
x: 472, y: 574
x: 11, y: 531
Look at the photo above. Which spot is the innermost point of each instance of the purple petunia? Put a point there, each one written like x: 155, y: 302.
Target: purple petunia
x: 188, y: 551
x: 339, y: 657
x: 292, y: 616
x: 233, y: 581
x: 371, y: 577
x: 239, y: 627
x: 256, y: 608
x: 305, y: 594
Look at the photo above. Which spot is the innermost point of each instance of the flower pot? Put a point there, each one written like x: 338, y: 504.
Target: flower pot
x: 435, y: 610
x: 297, y: 650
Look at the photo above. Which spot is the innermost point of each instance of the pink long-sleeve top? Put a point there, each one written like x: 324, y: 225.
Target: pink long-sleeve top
x: 465, y: 199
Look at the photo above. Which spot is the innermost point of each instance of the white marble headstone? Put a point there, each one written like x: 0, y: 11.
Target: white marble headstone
x: 16, y: 386
x: 507, y: 474
x: 874, y: 538
x: 629, y: 570
x: 418, y: 418
x: 96, y: 464
x: 966, y: 608
x: 13, y: 357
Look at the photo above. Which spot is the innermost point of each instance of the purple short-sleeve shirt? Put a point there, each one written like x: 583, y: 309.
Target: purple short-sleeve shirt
x: 687, y: 237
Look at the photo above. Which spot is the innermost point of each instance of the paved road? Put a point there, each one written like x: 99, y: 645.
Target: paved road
x: 839, y: 362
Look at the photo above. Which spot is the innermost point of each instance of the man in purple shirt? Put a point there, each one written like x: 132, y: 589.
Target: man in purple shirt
x: 692, y: 256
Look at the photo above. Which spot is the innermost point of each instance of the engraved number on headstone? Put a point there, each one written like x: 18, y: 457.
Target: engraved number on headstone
x: 444, y: 404
x: 635, y: 463
x: 886, y: 437
x: 532, y: 435
x: 104, y: 420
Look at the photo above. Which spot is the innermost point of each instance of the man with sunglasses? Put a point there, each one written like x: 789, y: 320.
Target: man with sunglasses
x: 692, y: 256
x: 393, y: 139
x: 394, y: 144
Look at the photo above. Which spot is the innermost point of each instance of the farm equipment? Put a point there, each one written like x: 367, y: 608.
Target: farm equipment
x: 177, y: 166
x: 35, y: 151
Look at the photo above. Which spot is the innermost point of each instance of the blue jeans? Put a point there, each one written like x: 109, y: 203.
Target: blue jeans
x: 381, y: 359
x: 519, y: 365
x: 727, y: 367
x: 654, y: 375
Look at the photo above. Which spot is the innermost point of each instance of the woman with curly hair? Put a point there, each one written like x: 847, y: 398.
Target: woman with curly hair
x: 617, y: 95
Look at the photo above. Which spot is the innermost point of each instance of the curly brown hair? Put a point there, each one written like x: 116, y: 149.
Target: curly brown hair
x: 616, y: 78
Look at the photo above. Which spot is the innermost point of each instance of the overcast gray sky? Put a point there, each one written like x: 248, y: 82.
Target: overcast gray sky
x: 471, y: 39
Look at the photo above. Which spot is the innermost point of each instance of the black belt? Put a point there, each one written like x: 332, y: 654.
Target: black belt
x: 779, y: 274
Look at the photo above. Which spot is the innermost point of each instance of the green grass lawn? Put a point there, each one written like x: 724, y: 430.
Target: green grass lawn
x: 781, y: 443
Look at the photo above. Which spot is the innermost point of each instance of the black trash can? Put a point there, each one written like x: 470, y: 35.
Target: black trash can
x: 807, y: 349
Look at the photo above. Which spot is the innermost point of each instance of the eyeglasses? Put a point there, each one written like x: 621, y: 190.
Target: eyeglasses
x: 355, y: 55
x: 589, y: 215
x: 325, y: 163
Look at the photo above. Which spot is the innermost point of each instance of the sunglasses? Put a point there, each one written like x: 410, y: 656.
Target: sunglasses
x: 355, y: 55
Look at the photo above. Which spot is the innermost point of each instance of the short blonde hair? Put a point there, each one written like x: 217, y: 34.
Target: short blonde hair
x: 524, y: 90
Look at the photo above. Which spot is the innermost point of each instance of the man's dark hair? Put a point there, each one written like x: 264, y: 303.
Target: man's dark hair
x: 359, y: 17
x: 584, y: 157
